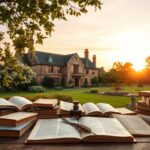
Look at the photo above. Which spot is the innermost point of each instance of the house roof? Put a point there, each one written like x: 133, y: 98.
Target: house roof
x: 52, y: 59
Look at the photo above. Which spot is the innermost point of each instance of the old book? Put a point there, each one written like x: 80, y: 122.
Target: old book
x: 125, y: 111
x: 65, y: 108
x: 144, y: 93
x: 89, y: 109
x: 138, y: 111
x: 18, y: 118
x: 46, y: 103
x: 57, y: 131
x: 134, y: 124
x: 6, y: 131
x: 17, y: 103
x: 6, y: 112
x: 141, y: 107
x: 145, y: 118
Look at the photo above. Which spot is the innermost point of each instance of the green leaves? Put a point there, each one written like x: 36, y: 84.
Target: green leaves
x: 36, y: 17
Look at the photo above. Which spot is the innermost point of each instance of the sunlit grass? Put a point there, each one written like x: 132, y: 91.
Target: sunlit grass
x: 83, y: 96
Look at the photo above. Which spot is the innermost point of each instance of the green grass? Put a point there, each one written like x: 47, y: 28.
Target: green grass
x: 83, y: 96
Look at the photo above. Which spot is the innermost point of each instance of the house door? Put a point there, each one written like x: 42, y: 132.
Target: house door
x: 76, y: 82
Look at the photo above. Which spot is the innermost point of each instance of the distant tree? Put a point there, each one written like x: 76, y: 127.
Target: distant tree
x: 127, y: 66
x: 118, y: 66
x: 148, y: 62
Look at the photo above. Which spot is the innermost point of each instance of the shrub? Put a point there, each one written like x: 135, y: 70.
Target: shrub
x: 36, y: 89
x: 48, y: 82
x: 94, y: 90
x: 64, y: 97
x: 94, y: 81
x: 15, y: 75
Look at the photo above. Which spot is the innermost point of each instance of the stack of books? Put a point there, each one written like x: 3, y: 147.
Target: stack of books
x: 16, y: 124
x: 46, y: 108
x: 14, y: 104
x: 143, y: 106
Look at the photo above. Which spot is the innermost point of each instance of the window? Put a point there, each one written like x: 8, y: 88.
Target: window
x: 60, y: 70
x: 93, y: 73
x: 76, y: 68
x: 50, y: 60
x: 51, y: 69
x: 87, y: 71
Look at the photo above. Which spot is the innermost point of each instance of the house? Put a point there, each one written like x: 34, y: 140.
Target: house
x: 72, y: 69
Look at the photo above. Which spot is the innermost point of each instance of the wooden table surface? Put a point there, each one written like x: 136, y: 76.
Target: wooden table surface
x: 18, y: 144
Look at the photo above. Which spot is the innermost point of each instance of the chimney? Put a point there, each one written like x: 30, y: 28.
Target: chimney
x: 94, y: 60
x: 86, y: 53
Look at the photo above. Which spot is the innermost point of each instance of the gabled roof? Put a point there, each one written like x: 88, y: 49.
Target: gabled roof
x: 88, y: 64
x: 52, y: 59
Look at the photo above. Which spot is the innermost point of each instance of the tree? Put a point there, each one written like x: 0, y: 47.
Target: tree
x: 148, y: 62
x: 118, y: 66
x: 19, y: 76
x: 30, y: 21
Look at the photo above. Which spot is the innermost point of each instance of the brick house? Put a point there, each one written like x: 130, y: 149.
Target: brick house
x: 74, y: 70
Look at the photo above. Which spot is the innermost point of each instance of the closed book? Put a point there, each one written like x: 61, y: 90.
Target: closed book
x: 6, y: 131
x: 18, y: 118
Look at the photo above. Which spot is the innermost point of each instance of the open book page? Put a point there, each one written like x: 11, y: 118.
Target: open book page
x: 18, y: 116
x: 6, y: 104
x: 107, y: 109
x: 106, y: 129
x: 66, y: 106
x: 20, y: 102
x: 45, y: 103
x: 145, y: 118
x: 125, y: 111
x: 134, y: 124
x: 53, y: 130
x: 91, y: 108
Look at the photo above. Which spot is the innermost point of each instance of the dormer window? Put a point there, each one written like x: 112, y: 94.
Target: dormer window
x: 50, y: 60
x: 86, y: 63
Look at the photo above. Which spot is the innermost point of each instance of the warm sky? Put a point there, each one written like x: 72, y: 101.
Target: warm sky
x: 119, y: 32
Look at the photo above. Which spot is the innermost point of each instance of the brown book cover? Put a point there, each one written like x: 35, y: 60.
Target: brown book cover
x: 6, y: 131
x: 46, y: 103
x: 18, y: 118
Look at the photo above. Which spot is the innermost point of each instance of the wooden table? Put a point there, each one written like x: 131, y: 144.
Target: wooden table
x: 18, y: 144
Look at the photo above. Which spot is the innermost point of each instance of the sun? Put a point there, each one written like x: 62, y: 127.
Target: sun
x: 138, y: 66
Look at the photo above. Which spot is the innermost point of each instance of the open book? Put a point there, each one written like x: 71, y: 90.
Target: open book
x: 134, y: 124
x: 57, y: 131
x: 91, y: 109
x: 16, y: 103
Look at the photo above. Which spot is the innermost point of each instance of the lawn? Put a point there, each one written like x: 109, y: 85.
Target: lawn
x: 83, y: 96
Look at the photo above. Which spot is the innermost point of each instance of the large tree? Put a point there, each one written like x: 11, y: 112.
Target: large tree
x: 148, y: 62
x: 28, y: 22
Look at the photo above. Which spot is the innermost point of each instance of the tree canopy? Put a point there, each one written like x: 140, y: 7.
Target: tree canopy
x: 28, y: 22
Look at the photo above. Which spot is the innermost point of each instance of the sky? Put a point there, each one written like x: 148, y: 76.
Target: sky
x: 120, y: 31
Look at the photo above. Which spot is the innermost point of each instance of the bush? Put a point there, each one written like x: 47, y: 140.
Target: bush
x: 36, y: 89
x: 48, y: 82
x: 64, y: 97
x: 16, y: 75
x: 94, y: 90
x: 94, y: 81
